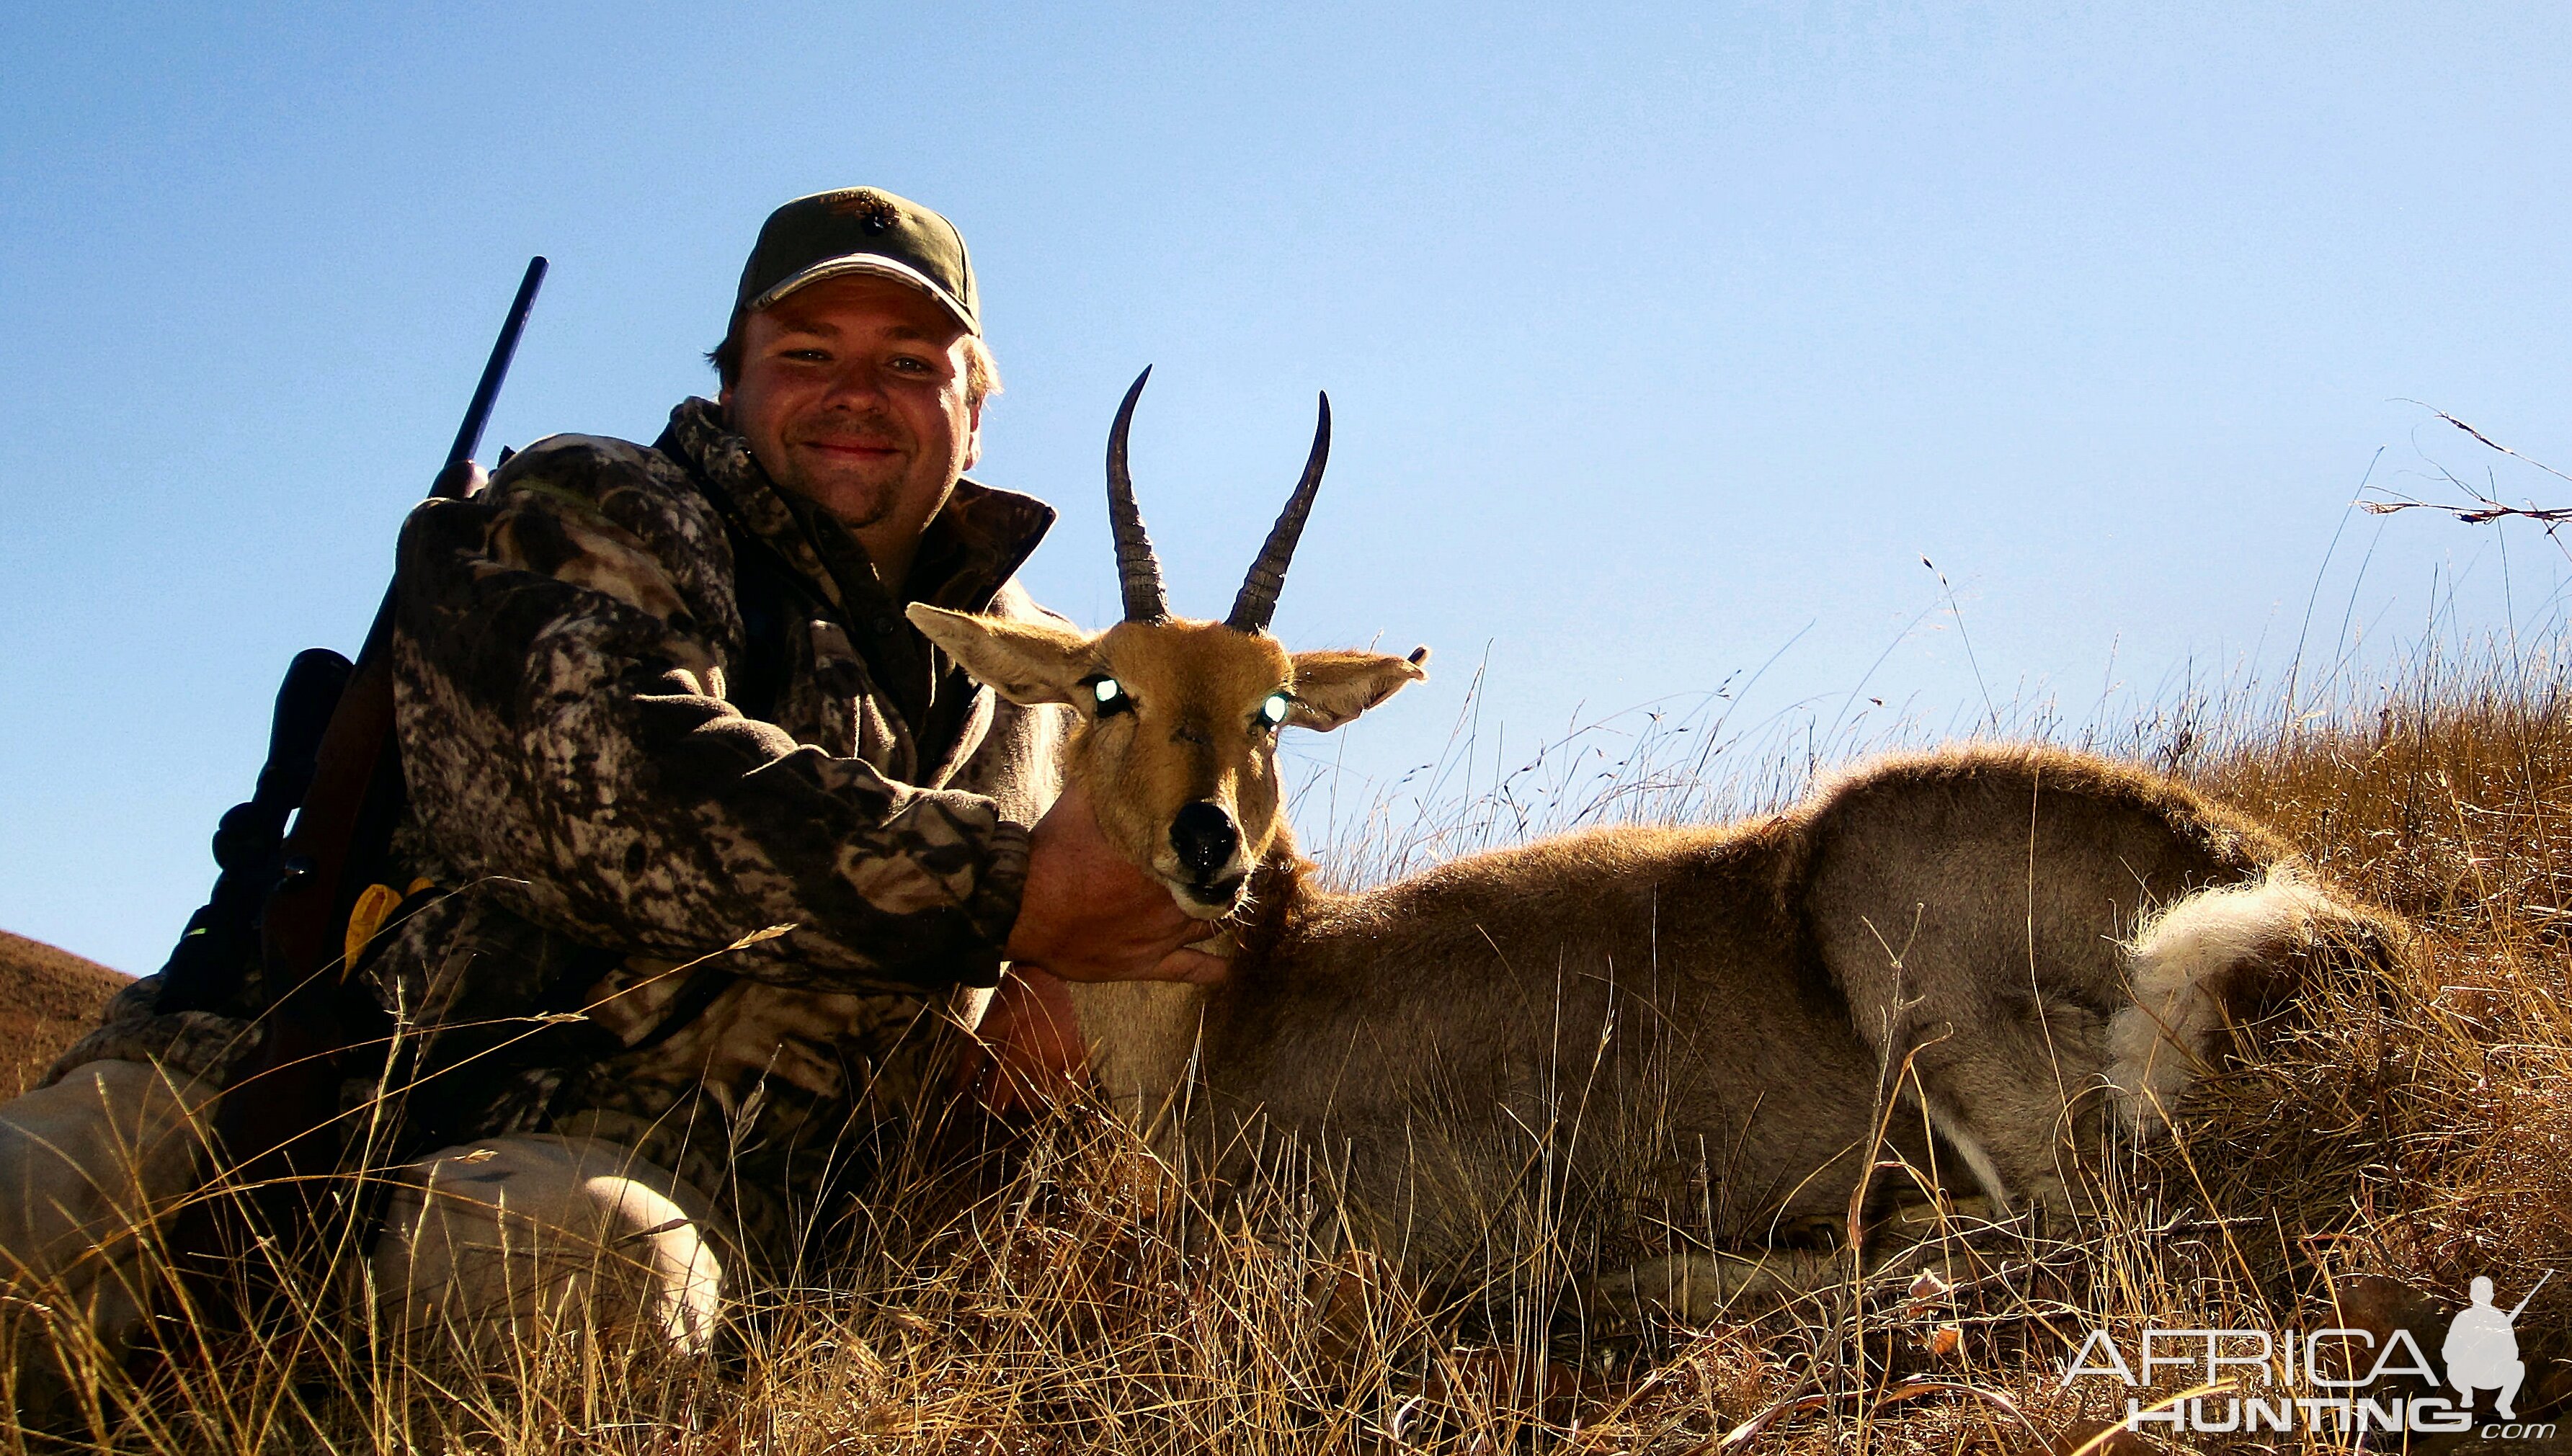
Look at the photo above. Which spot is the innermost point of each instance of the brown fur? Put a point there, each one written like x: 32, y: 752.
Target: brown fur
x: 1727, y: 1025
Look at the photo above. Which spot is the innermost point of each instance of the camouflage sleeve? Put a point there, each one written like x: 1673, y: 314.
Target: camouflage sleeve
x: 559, y: 655
x: 198, y: 1043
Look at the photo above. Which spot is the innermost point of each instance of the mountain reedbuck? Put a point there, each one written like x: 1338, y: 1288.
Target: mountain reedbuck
x: 1987, y: 954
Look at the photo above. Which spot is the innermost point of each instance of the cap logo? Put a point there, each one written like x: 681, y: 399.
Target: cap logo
x: 872, y: 210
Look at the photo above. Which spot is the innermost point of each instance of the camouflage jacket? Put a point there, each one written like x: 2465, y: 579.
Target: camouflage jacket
x: 594, y: 820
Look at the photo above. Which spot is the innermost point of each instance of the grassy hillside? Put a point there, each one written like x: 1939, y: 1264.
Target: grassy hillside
x: 2385, y: 1139
x: 48, y: 997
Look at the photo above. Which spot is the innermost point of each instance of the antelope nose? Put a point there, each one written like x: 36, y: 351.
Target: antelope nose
x: 1204, y: 838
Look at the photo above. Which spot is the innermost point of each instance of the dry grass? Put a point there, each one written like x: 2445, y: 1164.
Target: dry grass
x: 54, y: 998
x: 2392, y: 1137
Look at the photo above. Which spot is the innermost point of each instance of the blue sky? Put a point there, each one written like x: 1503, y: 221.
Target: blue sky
x: 1664, y: 340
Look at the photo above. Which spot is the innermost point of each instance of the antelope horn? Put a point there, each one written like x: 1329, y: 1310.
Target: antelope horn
x: 1138, y: 570
x: 1258, y: 599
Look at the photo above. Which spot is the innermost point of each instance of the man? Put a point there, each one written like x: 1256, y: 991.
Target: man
x: 703, y: 837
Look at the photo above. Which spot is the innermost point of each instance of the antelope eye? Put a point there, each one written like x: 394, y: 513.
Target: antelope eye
x: 1110, y: 695
x: 1273, y: 712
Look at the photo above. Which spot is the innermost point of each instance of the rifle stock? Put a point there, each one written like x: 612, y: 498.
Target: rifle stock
x: 208, y: 968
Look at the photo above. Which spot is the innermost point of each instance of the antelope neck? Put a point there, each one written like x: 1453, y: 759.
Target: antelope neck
x: 1278, y: 892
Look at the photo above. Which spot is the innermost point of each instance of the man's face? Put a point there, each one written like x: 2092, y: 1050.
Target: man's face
x: 851, y: 395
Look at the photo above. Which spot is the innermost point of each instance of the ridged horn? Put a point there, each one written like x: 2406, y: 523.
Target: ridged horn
x: 1258, y: 599
x: 1138, y: 570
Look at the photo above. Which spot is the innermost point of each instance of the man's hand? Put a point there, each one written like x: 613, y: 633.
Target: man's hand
x: 1088, y: 915
x: 1029, y: 1052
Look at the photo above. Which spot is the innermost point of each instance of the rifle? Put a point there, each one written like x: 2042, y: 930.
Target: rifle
x: 356, y: 790
x: 274, y: 933
x: 2531, y: 1295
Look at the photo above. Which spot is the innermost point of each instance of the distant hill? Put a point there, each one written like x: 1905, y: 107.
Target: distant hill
x: 48, y: 999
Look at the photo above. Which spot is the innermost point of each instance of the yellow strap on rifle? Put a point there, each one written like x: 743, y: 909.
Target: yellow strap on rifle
x: 378, y: 902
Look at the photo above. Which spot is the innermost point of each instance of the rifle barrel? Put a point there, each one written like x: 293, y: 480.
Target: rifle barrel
x: 468, y: 438
x: 2531, y: 1295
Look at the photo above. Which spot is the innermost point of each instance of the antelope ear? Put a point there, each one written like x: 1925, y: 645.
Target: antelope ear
x: 1332, y: 688
x: 1026, y: 663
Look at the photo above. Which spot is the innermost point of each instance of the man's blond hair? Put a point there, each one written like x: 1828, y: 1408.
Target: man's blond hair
x: 981, y: 371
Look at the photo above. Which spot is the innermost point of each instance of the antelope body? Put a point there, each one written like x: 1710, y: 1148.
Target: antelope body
x: 1985, y: 956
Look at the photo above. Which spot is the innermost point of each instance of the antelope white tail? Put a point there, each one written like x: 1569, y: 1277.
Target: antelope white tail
x: 2184, y: 961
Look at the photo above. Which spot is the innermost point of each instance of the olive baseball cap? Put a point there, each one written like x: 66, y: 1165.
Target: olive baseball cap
x: 864, y: 232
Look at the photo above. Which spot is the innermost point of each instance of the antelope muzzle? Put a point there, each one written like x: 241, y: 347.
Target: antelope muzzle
x: 1208, y: 845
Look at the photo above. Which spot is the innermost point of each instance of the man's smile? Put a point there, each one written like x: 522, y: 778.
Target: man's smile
x: 848, y: 449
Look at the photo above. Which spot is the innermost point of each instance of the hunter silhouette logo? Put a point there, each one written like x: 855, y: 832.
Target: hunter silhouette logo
x: 2482, y: 1348
x: 2247, y: 1379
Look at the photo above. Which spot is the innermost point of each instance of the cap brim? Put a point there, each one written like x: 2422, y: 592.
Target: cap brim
x: 869, y: 266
